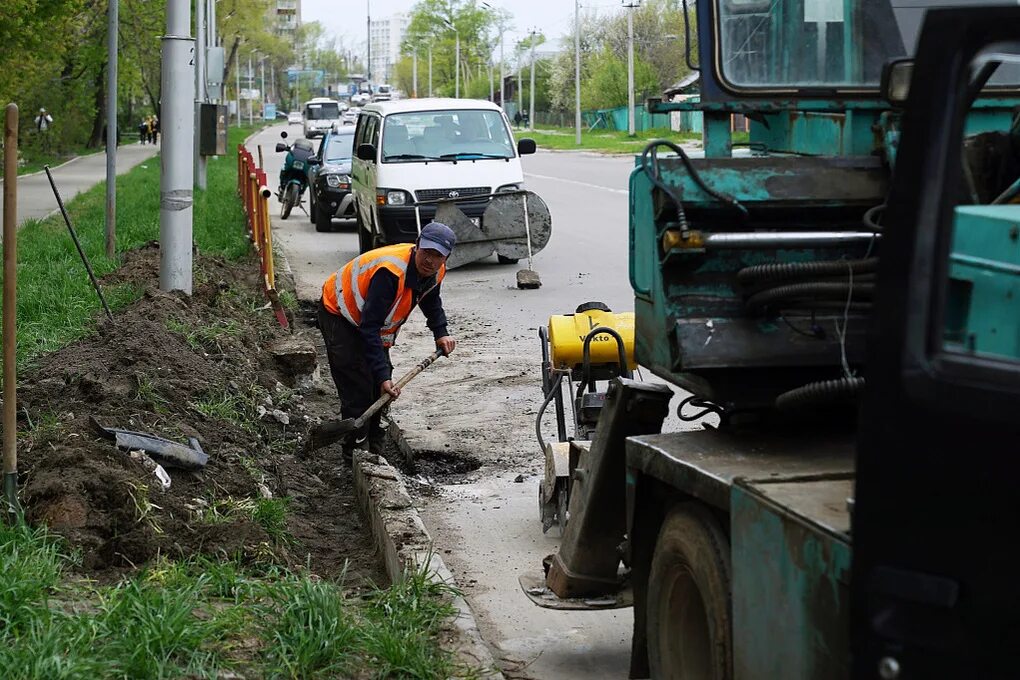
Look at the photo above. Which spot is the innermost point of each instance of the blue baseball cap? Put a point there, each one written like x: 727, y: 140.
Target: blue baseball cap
x: 437, y: 236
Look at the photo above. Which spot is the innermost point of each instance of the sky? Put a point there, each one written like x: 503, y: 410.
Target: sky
x: 346, y: 18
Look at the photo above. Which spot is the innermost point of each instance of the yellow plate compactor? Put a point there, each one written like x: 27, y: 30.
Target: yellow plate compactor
x: 591, y: 346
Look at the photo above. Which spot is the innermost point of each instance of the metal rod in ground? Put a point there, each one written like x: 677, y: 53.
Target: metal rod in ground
x: 77, y: 244
x: 10, y: 296
x: 528, y: 278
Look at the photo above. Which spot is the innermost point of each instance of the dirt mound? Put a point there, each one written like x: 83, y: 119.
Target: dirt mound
x: 183, y: 367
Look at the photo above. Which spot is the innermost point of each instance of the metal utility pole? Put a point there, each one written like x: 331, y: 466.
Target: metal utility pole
x: 251, y: 81
x: 200, y: 47
x: 112, y: 22
x: 520, y: 82
x: 430, y: 69
x: 531, y: 113
x: 177, y: 123
x: 502, y: 77
x: 577, y: 72
x: 237, y: 77
x: 456, y: 91
x: 492, y: 85
x: 262, y: 86
x: 414, y: 73
x: 630, y: 68
x: 368, y: 32
x: 272, y: 82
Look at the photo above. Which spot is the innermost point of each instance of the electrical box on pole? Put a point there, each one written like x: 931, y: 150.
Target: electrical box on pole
x: 213, y: 140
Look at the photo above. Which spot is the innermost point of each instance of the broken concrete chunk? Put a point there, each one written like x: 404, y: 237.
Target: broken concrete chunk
x: 295, y: 357
x: 280, y: 416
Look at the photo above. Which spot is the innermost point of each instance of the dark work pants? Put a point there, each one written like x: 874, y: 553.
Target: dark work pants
x: 353, y: 379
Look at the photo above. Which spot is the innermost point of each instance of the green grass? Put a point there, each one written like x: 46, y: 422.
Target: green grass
x: 202, y: 618
x: 606, y: 141
x: 56, y: 302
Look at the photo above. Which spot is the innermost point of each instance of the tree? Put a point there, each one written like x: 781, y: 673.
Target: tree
x: 430, y: 25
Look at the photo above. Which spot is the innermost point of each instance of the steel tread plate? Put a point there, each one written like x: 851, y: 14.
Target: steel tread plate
x: 704, y: 463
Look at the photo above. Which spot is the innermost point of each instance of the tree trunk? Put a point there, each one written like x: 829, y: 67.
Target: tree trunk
x: 96, y: 137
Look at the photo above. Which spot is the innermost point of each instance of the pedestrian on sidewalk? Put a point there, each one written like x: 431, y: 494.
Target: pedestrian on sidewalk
x: 42, y: 127
x: 155, y: 129
x: 362, y: 308
x: 517, y: 120
x: 143, y: 131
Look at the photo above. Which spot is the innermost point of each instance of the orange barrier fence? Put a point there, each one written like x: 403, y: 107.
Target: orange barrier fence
x: 254, y: 191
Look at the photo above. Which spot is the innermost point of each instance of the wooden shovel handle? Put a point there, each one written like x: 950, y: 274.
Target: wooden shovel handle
x: 387, y: 397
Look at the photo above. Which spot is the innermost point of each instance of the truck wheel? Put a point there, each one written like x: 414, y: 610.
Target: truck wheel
x: 364, y: 239
x: 688, y: 624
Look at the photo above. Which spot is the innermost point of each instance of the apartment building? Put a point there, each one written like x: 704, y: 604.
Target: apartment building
x: 285, y: 16
x: 386, y: 36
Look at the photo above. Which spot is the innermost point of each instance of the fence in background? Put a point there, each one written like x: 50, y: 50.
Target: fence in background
x: 254, y: 191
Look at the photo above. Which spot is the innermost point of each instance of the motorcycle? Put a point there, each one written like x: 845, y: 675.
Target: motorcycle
x: 294, y: 178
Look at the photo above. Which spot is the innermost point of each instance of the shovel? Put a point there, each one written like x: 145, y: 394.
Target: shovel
x: 333, y: 431
x: 528, y: 278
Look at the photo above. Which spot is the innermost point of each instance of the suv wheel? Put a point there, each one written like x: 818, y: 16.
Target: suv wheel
x: 323, y: 221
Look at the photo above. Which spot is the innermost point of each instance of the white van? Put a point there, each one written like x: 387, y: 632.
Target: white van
x: 320, y: 115
x: 411, y: 151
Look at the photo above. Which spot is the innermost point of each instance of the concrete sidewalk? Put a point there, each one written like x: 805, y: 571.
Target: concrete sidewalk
x: 35, y: 197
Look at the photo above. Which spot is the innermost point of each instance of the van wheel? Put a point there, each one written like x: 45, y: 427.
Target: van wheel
x: 689, y: 623
x: 507, y: 260
x: 364, y: 239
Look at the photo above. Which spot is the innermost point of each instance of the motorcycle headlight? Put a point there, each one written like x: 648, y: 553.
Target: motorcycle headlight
x: 508, y: 188
x: 396, y: 197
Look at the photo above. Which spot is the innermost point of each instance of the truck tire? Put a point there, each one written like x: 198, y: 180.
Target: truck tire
x: 364, y: 238
x: 689, y: 624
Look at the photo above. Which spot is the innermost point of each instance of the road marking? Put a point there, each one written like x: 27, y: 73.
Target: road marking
x: 574, y: 181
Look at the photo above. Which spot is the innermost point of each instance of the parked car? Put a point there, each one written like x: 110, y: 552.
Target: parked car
x: 294, y: 118
x: 330, y: 179
x: 414, y: 151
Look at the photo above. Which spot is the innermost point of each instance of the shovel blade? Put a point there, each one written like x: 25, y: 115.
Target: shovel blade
x: 329, y: 432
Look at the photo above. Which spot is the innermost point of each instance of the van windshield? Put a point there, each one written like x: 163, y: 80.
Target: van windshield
x: 323, y: 111
x: 445, y: 135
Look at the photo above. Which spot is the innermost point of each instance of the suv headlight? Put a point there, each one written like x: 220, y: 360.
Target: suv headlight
x: 338, y: 180
x: 508, y: 187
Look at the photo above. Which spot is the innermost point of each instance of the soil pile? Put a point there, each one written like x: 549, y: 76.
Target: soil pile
x: 216, y: 367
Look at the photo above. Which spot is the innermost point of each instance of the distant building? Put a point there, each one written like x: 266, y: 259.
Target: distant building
x: 285, y: 16
x: 386, y: 36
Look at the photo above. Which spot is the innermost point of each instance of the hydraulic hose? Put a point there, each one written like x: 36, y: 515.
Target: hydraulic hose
x: 553, y: 389
x: 808, y: 292
x: 784, y: 271
x: 822, y: 393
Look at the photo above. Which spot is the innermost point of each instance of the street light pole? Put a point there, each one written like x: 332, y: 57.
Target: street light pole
x: 414, y: 73
x: 368, y: 31
x: 200, y: 47
x: 237, y: 82
x: 262, y: 86
x: 502, y: 78
x: 430, y: 69
x: 577, y: 72
x: 177, y: 124
x: 531, y: 113
x: 630, y: 68
x: 456, y: 91
x: 251, y: 81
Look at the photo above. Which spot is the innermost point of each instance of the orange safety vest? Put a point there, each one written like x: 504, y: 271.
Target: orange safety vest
x: 344, y: 291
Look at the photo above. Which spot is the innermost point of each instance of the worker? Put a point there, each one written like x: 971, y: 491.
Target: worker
x: 362, y: 308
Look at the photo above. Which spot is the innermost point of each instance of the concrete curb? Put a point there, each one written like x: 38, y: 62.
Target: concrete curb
x: 404, y: 542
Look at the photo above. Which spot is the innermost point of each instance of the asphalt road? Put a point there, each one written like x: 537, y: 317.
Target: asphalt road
x: 482, y: 401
